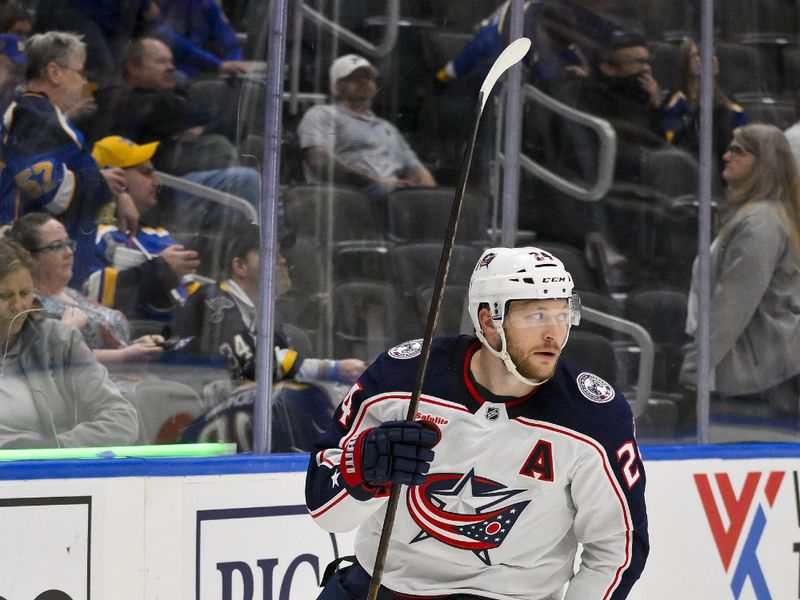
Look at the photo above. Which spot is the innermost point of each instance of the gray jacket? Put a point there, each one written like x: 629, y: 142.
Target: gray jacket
x: 755, y: 306
x: 77, y: 403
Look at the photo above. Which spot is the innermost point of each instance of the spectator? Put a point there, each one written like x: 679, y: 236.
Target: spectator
x: 54, y: 392
x: 106, y: 25
x: 12, y: 60
x: 551, y: 29
x: 349, y: 143
x: 147, y: 290
x: 105, y: 331
x: 681, y: 109
x: 147, y: 108
x: 232, y: 419
x: 47, y: 157
x: 622, y: 90
x: 200, y: 37
x: 755, y: 276
x: 222, y: 320
x: 16, y: 20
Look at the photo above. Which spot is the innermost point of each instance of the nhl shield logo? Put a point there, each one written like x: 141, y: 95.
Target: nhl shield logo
x: 492, y: 412
x: 595, y: 388
x: 406, y: 350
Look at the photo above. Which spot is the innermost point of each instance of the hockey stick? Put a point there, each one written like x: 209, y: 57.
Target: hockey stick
x: 512, y: 54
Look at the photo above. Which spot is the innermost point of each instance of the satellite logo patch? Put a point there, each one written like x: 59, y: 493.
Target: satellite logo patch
x: 595, y: 388
x: 407, y: 350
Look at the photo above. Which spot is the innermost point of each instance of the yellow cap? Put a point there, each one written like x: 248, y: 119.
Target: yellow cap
x: 117, y: 151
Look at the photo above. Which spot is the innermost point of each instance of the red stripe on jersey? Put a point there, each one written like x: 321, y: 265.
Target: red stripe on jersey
x: 326, y: 507
x: 614, y: 486
x: 473, y: 390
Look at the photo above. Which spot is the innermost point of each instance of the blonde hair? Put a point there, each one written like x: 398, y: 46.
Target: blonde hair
x: 774, y: 177
x: 690, y: 83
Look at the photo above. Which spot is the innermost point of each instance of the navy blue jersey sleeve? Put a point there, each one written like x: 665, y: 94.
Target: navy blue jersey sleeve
x: 611, y: 518
x: 332, y: 497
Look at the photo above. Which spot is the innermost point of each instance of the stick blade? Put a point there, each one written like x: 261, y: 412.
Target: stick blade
x: 512, y: 54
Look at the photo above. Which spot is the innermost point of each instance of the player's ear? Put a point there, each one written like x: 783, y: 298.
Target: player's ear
x: 485, y: 320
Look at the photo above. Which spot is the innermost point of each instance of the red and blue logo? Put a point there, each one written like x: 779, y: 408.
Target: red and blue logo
x: 759, y: 490
x: 464, y: 511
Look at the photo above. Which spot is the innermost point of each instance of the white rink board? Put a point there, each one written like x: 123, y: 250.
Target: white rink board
x: 750, y: 519
x: 719, y: 529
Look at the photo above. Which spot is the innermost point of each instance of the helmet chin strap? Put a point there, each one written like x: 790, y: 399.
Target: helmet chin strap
x: 503, y: 355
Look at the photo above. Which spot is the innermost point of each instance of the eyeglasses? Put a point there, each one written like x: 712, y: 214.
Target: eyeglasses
x: 80, y: 72
x: 146, y: 171
x: 737, y: 150
x: 57, y: 246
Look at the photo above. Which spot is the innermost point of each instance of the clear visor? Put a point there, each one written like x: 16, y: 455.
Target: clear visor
x: 525, y: 314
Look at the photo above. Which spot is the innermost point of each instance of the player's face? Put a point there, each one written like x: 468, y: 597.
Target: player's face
x: 16, y: 295
x: 54, y: 257
x: 142, y: 185
x: 535, y: 331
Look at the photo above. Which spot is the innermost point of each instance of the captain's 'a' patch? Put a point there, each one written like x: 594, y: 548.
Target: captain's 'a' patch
x: 406, y: 350
x: 595, y: 388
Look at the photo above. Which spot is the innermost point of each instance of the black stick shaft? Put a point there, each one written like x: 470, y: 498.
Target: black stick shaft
x: 427, y: 340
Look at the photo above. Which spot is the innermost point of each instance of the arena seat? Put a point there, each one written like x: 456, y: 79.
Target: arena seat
x: 417, y: 214
x: 366, y: 323
x: 165, y: 408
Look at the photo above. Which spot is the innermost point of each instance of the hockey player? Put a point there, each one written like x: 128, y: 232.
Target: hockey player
x: 514, y: 459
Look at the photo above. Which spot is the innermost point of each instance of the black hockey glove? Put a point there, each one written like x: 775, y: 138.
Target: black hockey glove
x: 394, y: 452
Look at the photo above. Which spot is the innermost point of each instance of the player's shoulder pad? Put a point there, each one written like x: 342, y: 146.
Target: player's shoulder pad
x: 406, y: 350
x: 590, y: 387
x: 411, y: 349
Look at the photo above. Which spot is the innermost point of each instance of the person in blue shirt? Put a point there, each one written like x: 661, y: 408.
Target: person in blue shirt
x: 12, y: 61
x: 200, y: 37
x: 553, y: 31
x: 141, y: 276
x: 46, y: 157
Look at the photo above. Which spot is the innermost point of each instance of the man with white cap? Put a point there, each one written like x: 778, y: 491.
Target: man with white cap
x: 348, y: 143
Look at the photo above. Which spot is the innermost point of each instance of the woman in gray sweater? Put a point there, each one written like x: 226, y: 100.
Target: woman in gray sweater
x: 755, y: 276
x: 53, y: 392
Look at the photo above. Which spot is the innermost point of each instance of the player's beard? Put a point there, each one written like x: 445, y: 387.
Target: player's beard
x: 529, y: 364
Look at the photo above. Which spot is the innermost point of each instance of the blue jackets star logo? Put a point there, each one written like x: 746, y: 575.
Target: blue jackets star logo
x: 464, y: 511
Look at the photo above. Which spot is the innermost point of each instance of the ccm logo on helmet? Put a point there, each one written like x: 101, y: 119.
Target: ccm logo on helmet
x: 554, y: 279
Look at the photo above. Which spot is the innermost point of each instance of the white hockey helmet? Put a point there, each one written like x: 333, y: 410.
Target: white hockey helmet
x: 506, y: 274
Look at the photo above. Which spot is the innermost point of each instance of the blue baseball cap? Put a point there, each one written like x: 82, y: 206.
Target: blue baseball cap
x: 13, y: 46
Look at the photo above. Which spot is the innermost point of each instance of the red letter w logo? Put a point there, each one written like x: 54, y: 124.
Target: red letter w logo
x: 737, y: 507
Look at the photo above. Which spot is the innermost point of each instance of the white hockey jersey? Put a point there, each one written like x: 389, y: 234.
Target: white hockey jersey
x: 512, y: 490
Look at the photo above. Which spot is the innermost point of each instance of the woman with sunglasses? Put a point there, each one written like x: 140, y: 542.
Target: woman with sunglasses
x: 106, y: 331
x: 755, y: 278
x: 53, y: 392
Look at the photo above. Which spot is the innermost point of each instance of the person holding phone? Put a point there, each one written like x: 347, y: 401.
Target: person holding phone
x: 143, y: 276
